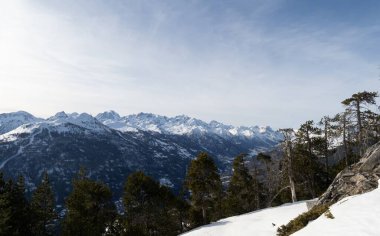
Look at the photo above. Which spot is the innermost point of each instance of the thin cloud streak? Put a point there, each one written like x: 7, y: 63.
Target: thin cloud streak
x: 204, y: 60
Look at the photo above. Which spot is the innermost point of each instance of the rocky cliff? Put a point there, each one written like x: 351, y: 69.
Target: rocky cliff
x: 356, y: 179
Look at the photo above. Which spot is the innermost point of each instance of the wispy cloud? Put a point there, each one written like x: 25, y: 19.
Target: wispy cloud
x: 241, y: 62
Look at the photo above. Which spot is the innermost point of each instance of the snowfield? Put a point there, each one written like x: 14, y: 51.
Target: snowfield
x: 353, y: 216
x: 258, y: 223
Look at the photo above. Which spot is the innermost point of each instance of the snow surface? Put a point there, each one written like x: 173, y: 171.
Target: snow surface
x: 258, y: 223
x: 353, y: 216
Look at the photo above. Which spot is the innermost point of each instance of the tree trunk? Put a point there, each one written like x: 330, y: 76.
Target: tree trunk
x: 204, y: 215
x: 345, y: 140
x: 290, y: 172
x: 326, y: 147
x: 359, y: 127
x: 292, y: 188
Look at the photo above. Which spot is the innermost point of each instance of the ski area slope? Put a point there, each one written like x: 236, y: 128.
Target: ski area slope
x: 353, y: 216
x: 258, y: 223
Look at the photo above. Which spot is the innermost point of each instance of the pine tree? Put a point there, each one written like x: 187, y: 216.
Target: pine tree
x: 42, y: 207
x: 356, y: 102
x: 20, y: 216
x: 150, y: 209
x: 5, y: 207
x: 308, y: 145
x: 90, y: 209
x: 242, y: 191
x: 270, y: 181
x: 204, y: 183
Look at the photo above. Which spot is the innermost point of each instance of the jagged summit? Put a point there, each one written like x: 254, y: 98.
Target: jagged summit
x: 177, y: 125
x: 108, y: 115
x: 182, y: 125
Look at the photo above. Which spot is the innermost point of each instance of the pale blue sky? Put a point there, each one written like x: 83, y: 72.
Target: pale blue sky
x: 267, y: 62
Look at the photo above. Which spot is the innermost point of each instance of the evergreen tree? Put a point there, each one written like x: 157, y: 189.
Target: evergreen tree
x: 5, y: 207
x: 150, y: 209
x: 242, y: 191
x: 204, y: 183
x: 357, y: 102
x: 42, y: 206
x: 270, y: 181
x: 20, y: 210
x: 90, y: 209
x: 308, y: 146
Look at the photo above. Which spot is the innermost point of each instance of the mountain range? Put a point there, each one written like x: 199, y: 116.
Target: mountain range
x: 110, y: 146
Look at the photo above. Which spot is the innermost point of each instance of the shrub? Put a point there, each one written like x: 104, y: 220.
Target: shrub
x: 302, y: 220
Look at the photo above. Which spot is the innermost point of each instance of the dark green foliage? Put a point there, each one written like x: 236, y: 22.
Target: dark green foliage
x: 20, y: 215
x: 242, y: 192
x: 302, y: 220
x: 5, y: 207
x: 203, y: 181
x: 42, y: 207
x: 14, y: 208
x: 150, y: 209
x: 90, y: 209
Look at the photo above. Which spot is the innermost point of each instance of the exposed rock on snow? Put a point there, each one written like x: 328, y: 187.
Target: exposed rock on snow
x: 356, y: 179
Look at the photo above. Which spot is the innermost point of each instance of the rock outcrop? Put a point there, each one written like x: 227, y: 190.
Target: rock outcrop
x: 356, y: 179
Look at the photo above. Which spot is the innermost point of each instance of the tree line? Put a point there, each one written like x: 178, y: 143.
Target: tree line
x: 317, y: 151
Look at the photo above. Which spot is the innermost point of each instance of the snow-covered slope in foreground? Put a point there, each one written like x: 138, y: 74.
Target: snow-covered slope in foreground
x: 258, y: 223
x: 355, y: 215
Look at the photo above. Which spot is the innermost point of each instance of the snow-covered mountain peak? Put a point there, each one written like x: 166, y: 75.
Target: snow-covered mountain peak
x: 83, y: 120
x: 183, y: 125
x: 10, y: 121
x: 59, y: 116
x: 108, y: 115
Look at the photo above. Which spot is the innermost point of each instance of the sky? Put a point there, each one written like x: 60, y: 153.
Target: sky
x: 254, y: 62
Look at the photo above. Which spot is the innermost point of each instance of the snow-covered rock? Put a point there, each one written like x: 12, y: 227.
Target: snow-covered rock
x: 356, y: 179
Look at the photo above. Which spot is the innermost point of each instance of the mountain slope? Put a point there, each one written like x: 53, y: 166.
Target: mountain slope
x: 64, y: 142
x: 10, y: 121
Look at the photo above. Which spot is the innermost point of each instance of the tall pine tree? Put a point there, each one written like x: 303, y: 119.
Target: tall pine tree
x: 90, y: 209
x: 205, y: 186
x: 150, y: 209
x: 242, y: 192
x: 42, y: 207
x: 5, y: 207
